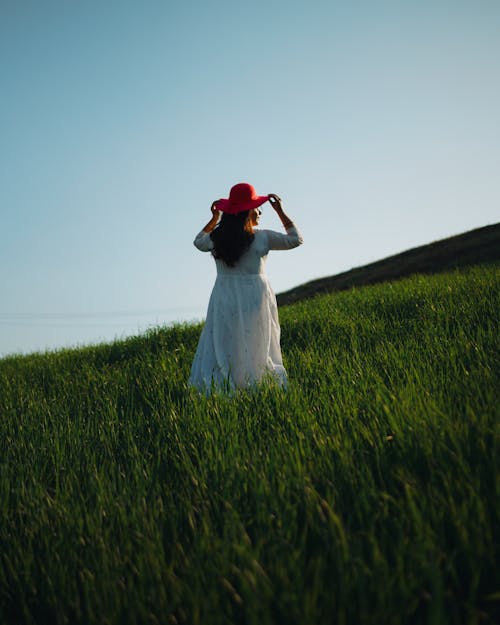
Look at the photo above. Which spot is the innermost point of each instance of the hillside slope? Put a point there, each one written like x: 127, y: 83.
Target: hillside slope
x: 367, y: 493
x: 470, y: 248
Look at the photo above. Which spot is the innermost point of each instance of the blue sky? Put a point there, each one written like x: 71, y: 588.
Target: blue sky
x: 377, y: 122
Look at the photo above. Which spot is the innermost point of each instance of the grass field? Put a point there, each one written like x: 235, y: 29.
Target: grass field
x: 367, y: 493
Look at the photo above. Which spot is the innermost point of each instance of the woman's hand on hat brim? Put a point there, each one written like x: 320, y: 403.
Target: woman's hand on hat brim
x: 275, y: 202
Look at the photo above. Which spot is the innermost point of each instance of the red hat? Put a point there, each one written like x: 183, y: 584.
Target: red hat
x: 242, y: 197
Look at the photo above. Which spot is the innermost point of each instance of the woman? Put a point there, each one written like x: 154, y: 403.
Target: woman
x: 240, y: 342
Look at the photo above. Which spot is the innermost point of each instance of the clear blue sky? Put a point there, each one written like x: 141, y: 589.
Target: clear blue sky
x: 377, y: 122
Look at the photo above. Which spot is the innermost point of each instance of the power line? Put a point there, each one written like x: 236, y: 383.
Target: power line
x: 53, y: 324
x: 88, y: 315
x: 91, y: 319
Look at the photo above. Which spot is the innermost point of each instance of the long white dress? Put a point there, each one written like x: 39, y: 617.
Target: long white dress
x: 240, y: 341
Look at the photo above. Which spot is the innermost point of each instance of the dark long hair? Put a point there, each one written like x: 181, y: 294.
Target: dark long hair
x: 232, y: 237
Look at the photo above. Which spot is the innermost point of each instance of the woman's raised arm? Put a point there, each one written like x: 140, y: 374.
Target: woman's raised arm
x: 275, y: 202
x: 287, y: 241
x: 215, y: 218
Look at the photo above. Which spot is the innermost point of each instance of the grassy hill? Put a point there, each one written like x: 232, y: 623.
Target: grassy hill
x: 367, y: 493
x: 481, y: 245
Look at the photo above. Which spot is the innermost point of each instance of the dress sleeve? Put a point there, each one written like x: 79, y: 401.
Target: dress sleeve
x: 203, y: 241
x: 280, y: 241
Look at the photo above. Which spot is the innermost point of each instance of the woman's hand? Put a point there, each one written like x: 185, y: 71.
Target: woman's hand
x: 275, y: 202
x: 215, y: 211
x: 215, y: 218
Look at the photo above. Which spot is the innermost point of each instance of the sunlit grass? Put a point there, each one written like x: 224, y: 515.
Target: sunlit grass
x: 367, y: 493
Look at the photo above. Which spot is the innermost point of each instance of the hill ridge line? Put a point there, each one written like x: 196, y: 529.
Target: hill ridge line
x: 476, y: 246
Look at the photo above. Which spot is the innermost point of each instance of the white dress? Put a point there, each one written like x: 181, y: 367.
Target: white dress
x: 240, y: 341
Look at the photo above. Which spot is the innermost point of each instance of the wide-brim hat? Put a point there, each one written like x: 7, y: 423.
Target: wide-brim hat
x: 242, y: 197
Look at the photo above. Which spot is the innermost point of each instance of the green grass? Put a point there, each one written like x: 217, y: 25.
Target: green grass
x: 367, y: 493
